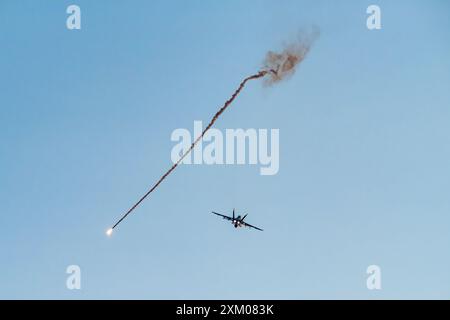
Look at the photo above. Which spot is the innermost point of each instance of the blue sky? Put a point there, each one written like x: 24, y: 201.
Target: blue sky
x: 85, y: 122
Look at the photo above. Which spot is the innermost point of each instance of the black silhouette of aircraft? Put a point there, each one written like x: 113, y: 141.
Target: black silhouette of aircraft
x: 237, y: 221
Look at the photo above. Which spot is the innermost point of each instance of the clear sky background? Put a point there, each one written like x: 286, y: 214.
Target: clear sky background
x: 85, y: 124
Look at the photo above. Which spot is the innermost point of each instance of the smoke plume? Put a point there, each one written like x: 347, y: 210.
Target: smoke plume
x: 282, y: 65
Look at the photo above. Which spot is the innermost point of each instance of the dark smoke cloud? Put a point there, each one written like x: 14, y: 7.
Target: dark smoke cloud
x: 281, y: 65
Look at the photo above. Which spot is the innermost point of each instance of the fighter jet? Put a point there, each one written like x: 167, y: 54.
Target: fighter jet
x: 237, y: 221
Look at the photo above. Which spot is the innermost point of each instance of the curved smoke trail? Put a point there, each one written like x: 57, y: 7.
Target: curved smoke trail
x: 211, y: 123
x: 277, y: 66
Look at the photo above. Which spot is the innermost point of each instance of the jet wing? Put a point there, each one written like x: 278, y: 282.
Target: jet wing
x: 250, y: 226
x: 223, y: 216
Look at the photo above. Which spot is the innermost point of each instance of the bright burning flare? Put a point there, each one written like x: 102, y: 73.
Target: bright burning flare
x: 109, y: 232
